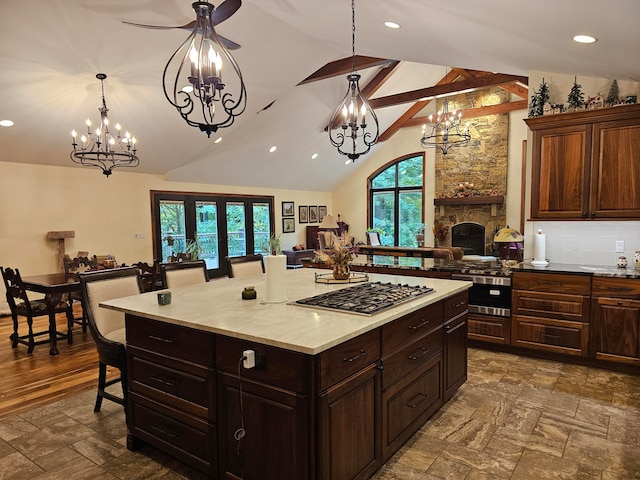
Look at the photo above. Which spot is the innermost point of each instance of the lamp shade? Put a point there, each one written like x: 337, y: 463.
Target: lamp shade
x: 328, y: 222
x: 507, y: 234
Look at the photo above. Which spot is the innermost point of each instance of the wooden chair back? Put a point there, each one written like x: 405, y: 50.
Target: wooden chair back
x: 245, y: 266
x: 149, y: 275
x: 183, y: 274
x: 78, y: 264
x: 16, y: 293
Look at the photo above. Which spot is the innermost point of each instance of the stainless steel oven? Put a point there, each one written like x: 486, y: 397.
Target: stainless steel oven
x: 489, y: 295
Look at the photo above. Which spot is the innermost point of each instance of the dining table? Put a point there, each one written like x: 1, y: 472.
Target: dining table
x: 54, y: 286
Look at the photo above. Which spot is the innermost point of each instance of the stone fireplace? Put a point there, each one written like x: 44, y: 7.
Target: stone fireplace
x: 470, y: 236
x: 471, y: 182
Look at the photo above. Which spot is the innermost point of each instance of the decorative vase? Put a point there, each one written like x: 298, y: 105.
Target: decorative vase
x: 341, y: 271
x: 636, y: 259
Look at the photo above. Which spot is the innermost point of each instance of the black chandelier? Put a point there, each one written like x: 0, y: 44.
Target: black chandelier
x: 192, y: 79
x: 349, y: 120
x: 446, y: 132
x: 102, y: 148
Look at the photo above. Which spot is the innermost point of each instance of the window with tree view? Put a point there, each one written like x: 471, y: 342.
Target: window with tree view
x: 396, y: 201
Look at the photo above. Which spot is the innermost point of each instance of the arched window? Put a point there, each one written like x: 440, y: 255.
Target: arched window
x: 396, y: 193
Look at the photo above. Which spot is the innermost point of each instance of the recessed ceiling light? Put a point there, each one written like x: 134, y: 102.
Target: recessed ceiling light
x: 584, y: 39
x: 273, y: 149
x: 391, y: 25
x: 314, y: 156
x: 6, y: 123
x: 217, y: 140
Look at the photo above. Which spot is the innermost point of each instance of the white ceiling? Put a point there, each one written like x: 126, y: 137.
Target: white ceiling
x: 51, y: 51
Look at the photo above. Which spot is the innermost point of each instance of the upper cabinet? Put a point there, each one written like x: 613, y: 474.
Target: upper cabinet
x: 586, y: 164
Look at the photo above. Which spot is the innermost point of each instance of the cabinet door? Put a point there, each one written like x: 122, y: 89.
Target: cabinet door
x: 560, y: 172
x: 349, y: 425
x: 276, y: 443
x: 615, y: 173
x: 616, y: 330
x: 455, y: 354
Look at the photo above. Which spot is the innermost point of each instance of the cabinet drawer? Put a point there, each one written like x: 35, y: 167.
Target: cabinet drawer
x: 275, y: 366
x: 551, y: 305
x: 571, y: 338
x: 455, y: 305
x: 490, y: 328
x: 552, y: 282
x: 186, y: 438
x: 347, y: 358
x: 172, y: 340
x: 616, y: 287
x: 412, y: 326
x: 405, y: 409
x: 185, y: 385
x: 411, y: 358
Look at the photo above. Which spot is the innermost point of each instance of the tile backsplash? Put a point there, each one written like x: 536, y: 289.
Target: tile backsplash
x: 585, y: 243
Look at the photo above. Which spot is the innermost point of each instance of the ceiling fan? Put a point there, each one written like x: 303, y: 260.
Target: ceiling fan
x: 220, y: 14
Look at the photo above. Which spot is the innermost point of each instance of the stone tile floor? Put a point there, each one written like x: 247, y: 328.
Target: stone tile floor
x: 516, y: 418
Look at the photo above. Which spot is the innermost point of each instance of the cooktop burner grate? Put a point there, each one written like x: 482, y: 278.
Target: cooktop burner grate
x: 366, y: 298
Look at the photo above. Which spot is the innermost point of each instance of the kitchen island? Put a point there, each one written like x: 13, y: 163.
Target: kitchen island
x: 331, y: 396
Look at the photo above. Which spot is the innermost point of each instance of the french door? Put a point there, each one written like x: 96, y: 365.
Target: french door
x: 215, y: 226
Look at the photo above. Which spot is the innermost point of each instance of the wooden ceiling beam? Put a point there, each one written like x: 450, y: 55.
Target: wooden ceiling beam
x: 515, y: 88
x: 475, y: 112
x: 467, y: 84
x: 344, y: 67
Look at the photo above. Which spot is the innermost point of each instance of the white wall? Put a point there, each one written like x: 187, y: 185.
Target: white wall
x: 580, y: 242
x: 105, y: 213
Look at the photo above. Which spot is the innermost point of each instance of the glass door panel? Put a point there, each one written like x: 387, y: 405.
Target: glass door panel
x: 207, y: 233
x: 172, y: 228
x: 236, y: 234
x: 261, y: 228
x: 410, y: 221
x: 384, y: 216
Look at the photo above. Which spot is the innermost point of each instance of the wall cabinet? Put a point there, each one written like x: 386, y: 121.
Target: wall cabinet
x: 586, y: 164
x: 616, y: 320
x: 551, y: 312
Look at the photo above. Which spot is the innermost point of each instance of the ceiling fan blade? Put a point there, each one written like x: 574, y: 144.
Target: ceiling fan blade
x: 225, y: 10
x: 228, y: 43
x: 188, y: 26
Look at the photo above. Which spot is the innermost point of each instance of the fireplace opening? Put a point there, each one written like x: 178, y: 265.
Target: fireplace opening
x: 470, y: 236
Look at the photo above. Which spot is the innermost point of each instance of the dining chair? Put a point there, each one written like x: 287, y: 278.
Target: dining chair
x: 183, y: 274
x: 77, y: 265
x: 107, y: 326
x: 245, y: 266
x: 21, y: 305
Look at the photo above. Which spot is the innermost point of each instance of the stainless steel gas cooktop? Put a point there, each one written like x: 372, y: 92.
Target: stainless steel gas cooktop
x: 365, y: 298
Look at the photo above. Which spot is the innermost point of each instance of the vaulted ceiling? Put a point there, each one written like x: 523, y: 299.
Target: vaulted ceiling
x: 294, y: 58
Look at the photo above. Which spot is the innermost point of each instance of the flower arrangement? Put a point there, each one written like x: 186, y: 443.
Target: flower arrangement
x: 440, y: 231
x: 339, y: 254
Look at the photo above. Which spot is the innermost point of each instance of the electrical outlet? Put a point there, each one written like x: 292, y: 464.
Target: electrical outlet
x: 138, y: 235
x: 619, y: 246
x: 250, y: 359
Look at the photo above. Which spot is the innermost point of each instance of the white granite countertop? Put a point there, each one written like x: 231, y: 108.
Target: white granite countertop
x: 217, y: 307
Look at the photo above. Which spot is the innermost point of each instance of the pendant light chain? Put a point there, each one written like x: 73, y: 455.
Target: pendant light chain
x: 353, y: 36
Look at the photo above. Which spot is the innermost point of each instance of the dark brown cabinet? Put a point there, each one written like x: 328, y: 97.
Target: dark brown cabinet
x: 586, y: 164
x: 551, y: 312
x: 616, y: 320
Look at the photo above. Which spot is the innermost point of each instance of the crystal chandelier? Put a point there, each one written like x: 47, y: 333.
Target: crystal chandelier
x: 102, y: 148
x: 348, y: 128
x: 192, y: 79
x: 446, y: 132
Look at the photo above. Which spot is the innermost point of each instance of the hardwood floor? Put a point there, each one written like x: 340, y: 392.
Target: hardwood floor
x: 29, y: 380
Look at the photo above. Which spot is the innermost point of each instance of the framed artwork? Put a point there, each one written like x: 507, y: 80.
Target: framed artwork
x: 322, y: 212
x: 313, y: 214
x: 288, y: 209
x: 288, y: 225
x: 303, y: 214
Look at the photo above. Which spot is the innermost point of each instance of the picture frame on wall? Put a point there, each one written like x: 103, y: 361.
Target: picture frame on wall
x: 313, y: 214
x: 288, y: 225
x: 322, y: 212
x: 303, y: 214
x: 288, y: 209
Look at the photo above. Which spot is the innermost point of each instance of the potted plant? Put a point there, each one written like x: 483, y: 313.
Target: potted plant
x: 194, y: 249
x: 420, y: 235
x: 339, y: 257
x: 273, y: 246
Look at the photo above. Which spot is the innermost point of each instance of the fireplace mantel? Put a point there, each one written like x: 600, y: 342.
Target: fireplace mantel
x: 474, y: 200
